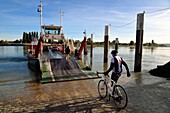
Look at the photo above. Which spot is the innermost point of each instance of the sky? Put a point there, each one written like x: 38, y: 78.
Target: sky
x: 18, y: 16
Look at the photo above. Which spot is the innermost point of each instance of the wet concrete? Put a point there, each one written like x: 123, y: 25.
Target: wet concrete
x: 146, y: 94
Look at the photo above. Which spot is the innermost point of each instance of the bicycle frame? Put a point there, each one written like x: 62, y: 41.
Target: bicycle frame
x: 117, y: 92
x: 107, y: 80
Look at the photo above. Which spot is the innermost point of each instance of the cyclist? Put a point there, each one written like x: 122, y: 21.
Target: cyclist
x: 116, y: 66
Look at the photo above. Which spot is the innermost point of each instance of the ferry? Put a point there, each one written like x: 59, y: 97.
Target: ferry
x: 53, y: 58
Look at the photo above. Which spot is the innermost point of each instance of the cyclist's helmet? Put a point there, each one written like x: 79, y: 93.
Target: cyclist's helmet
x: 114, y: 52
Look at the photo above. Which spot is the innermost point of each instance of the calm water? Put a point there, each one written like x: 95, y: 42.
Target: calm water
x: 13, y: 60
x: 150, y: 59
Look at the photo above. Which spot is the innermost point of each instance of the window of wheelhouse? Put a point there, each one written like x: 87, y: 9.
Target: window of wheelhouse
x: 53, y: 32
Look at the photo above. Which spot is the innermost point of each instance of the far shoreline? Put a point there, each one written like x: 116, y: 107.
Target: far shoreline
x: 95, y: 45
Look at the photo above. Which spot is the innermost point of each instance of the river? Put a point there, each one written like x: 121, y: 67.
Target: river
x: 13, y: 60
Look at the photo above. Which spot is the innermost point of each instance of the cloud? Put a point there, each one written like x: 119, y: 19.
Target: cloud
x: 157, y: 26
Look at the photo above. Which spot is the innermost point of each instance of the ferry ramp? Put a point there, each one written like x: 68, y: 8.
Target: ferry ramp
x: 59, y: 69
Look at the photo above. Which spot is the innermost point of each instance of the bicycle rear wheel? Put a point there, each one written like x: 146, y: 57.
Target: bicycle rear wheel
x: 102, y: 89
x: 120, y: 97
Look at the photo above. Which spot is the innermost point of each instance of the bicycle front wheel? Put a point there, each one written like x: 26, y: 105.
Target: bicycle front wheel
x: 102, y: 89
x: 120, y: 97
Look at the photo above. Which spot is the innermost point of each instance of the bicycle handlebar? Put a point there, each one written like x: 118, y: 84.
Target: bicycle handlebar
x: 104, y: 75
x: 99, y: 72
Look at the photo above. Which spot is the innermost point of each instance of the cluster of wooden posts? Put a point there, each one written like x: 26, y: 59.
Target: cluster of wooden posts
x: 139, y: 42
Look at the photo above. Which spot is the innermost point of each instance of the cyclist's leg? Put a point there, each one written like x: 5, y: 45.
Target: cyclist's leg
x: 114, y: 77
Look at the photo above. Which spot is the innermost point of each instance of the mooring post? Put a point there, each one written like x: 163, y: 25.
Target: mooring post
x: 91, y: 52
x: 91, y: 46
x: 139, y: 42
x: 116, y: 44
x: 85, y: 44
x: 106, y: 43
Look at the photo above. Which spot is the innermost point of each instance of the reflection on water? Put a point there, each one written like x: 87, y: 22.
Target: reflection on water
x: 105, y: 67
x: 91, y: 62
x: 13, y: 51
x: 138, y: 78
x: 151, y: 49
x: 85, y: 60
x: 152, y: 56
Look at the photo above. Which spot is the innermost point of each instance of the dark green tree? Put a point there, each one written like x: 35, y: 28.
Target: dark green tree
x: 89, y: 41
x: 24, y: 38
x: 131, y: 43
x: 29, y: 38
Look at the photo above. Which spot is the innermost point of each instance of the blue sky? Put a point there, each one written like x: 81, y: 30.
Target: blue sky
x: 18, y: 16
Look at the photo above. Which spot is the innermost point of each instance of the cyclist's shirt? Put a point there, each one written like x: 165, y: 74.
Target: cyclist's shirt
x: 118, y: 64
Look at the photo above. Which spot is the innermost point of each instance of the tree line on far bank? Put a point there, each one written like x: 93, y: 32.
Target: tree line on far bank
x: 28, y: 37
x: 131, y: 43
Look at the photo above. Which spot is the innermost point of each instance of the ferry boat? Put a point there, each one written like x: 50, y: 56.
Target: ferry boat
x: 49, y: 61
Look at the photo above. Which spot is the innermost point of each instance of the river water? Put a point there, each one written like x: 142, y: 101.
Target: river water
x: 13, y: 60
x: 14, y: 71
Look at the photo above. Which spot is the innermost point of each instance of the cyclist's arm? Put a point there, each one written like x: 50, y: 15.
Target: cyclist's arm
x: 110, y: 68
x: 126, y: 66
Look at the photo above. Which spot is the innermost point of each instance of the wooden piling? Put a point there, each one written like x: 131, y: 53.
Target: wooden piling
x: 106, y: 43
x: 91, y: 46
x: 139, y: 42
x: 85, y: 44
x: 116, y: 44
x: 91, y: 52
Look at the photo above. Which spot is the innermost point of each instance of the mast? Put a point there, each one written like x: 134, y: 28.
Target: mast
x: 40, y: 10
x: 61, y: 14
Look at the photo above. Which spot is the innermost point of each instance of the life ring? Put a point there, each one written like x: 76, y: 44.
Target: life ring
x: 47, y: 35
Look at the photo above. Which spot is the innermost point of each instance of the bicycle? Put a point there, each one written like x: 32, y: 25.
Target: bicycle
x: 117, y: 92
